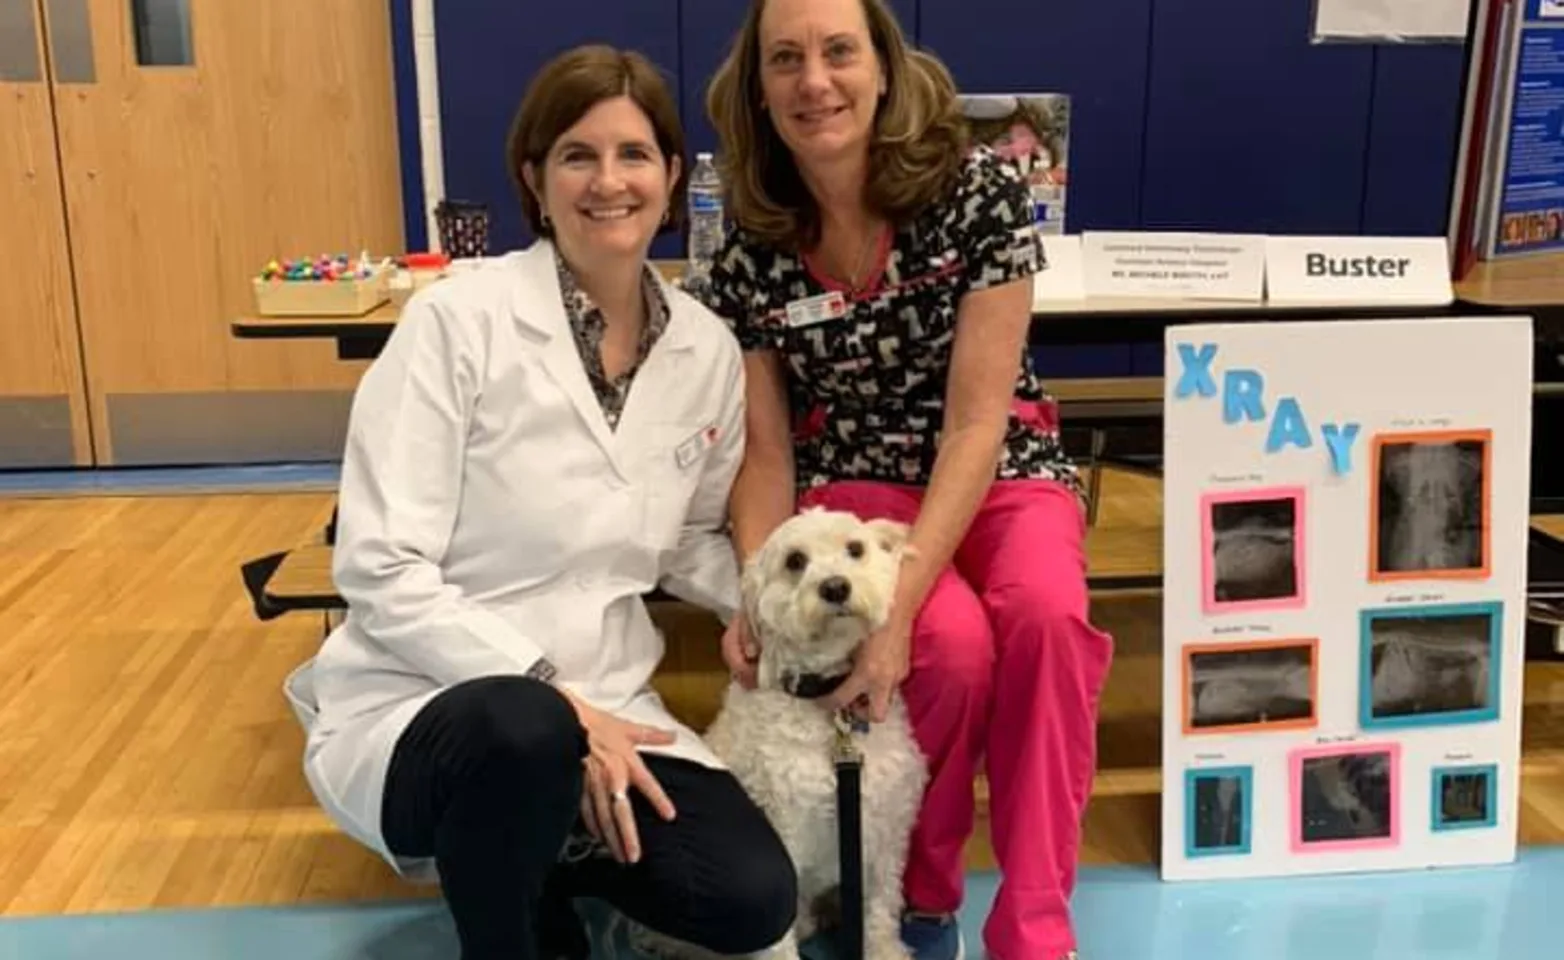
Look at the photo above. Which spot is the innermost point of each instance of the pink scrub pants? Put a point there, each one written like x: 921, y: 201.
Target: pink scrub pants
x: 1005, y: 667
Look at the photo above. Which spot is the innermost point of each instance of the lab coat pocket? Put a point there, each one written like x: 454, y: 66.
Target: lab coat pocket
x: 676, y: 457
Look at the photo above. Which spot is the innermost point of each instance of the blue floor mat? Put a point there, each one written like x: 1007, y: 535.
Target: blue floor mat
x: 1503, y: 913
x: 172, y: 481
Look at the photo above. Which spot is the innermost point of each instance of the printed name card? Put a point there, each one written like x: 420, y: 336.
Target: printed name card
x: 1063, y: 281
x: 1358, y: 270
x: 1180, y: 266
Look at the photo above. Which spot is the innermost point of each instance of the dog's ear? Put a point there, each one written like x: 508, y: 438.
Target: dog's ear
x: 891, y: 535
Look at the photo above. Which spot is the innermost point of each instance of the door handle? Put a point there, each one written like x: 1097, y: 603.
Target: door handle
x: 70, y: 41
x: 19, y: 42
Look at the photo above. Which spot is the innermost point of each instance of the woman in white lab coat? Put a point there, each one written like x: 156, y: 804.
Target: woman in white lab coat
x: 545, y: 439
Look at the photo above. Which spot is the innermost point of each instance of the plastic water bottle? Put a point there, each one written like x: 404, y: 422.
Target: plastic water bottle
x: 706, y: 220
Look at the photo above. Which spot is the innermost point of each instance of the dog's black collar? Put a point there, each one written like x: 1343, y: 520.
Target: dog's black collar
x: 812, y: 686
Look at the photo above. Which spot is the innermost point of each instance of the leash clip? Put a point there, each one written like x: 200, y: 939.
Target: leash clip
x: 847, y: 724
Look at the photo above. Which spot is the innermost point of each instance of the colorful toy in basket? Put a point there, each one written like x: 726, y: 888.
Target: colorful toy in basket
x: 326, y: 286
x: 324, y: 267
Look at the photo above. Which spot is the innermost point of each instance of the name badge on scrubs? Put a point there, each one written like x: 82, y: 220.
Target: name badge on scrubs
x: 691, y: 449
x: 812, y: 310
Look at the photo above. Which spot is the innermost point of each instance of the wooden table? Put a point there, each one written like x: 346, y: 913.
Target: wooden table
x: 1550, y: 524
x: 1120, y: 559
x: 1521, y: 285
x: 1094, y: 320
x: 303, y: 580
x: 1533, y: 285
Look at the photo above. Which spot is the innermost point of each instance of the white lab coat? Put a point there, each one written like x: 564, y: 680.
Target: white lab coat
x: 489, y: 516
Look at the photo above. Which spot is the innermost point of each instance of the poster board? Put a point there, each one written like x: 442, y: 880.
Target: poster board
x: 1529, y: 197
x: 1033, y: 131
x: 1344, y: 606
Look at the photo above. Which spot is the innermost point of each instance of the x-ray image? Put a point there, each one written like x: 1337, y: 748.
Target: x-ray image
x: 1430, y: 508
x: 1425, y: 666
x: 1219, y: 812
x: 1254, y: 550
x: 1251, y: 687
x: 1463, y: 797
x: 1346, y: 797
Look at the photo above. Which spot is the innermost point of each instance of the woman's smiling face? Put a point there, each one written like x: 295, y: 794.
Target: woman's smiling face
x: 820, y: 76
x: 605, y: 184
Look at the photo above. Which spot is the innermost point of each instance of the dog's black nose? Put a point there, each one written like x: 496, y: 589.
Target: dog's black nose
x: 835, y: 589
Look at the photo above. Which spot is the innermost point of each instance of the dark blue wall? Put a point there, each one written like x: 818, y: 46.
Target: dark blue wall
x: 408, y: 132
x: 1187, y: 114
x: 489, y: 50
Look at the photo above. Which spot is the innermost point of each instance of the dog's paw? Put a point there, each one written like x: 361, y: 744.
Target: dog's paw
x: 886, y: 948
x: 644, y: 943
x: 805, y: 926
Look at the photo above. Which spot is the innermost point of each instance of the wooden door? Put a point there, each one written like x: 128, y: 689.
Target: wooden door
x: 198, y: 141
x: 43, y: 404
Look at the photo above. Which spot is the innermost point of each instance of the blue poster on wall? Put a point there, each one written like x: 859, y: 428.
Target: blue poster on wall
x: 1546, y: 10
x: 1531, y: 208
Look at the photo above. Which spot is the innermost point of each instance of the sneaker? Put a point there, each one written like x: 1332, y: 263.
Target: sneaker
x: 932, y: 937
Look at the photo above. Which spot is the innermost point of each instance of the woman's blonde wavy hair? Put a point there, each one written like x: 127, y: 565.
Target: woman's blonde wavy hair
x: 916, y: 149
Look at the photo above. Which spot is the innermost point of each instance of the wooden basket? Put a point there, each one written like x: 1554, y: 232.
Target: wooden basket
x: 320, y: 298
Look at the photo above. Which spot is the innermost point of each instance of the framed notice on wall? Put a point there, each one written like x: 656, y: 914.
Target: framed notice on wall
x: 1509, y: 185
x: 1390, y: 21
x: 1345, y: 595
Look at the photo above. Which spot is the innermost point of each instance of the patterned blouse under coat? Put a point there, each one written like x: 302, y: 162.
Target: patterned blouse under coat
x: 589, y: 325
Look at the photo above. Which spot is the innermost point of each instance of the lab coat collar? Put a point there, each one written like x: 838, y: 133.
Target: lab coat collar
x: 547, y: 318
x: 542, y: 311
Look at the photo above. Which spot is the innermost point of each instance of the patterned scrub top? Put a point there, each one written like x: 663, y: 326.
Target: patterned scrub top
x: 867, y: 373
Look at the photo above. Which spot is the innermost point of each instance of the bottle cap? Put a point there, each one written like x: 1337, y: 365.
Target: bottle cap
x: 702, y: 155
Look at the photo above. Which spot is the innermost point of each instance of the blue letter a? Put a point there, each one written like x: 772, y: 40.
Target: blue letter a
x: 1287, y: 427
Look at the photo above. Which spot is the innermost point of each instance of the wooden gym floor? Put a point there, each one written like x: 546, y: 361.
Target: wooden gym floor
x: 148, y: 759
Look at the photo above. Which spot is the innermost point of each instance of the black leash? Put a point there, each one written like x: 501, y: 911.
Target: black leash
x: 849, y: 806
x: 849, y: 833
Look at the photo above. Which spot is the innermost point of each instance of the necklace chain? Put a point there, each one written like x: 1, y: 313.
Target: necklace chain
x: 854, y: 280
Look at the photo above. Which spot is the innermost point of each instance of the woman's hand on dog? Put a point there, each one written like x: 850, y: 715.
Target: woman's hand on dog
x: 740, y: 652
x: 613, y: 766
x: 882, y: 664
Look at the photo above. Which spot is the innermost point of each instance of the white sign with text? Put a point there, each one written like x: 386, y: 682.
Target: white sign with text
x: 1063, y: 281
x: 1183, y: 266
x: 1358, y: 270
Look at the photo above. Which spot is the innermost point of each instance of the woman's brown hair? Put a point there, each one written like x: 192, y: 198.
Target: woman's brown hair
x: 561, y: 94
x: 915, y: 152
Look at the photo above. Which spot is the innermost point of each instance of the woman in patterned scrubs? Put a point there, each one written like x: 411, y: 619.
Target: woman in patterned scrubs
x: 879, y: 278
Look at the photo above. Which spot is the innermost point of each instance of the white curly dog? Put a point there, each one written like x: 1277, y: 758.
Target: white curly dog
x: 822, y: 582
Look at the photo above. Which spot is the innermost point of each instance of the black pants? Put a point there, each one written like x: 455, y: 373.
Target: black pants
x: 487, y: 779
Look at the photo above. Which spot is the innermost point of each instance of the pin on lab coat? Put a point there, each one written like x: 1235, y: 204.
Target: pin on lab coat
x: 490, y: 517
